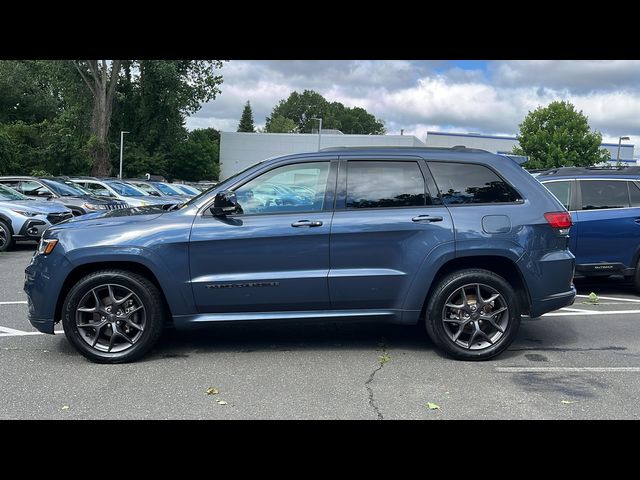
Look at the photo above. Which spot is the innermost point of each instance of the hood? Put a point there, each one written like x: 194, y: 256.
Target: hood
x: 35, y: 206
x: 151, y: 211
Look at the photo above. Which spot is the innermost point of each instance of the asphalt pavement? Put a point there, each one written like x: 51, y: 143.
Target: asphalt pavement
x: 577, y: 363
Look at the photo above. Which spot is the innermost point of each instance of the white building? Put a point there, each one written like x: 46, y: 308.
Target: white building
x: 238, y: 150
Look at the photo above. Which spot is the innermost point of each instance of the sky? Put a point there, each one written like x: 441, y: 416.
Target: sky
x: 467, y: 96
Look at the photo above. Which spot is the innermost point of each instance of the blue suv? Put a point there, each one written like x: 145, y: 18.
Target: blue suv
x: 461, y: 241
x: 605, y: 210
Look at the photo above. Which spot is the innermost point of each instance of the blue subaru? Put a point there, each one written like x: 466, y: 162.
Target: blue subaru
x: 458, y: 240
x: 605, y: 210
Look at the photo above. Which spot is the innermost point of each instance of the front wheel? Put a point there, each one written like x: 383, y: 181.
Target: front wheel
x: 113, y: 316
x: 472, y: 315
x: 6, y: 239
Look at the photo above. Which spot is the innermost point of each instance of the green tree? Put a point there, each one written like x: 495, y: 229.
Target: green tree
x: 557, y: 135
x: 197, y: 158
x: 280, y: 124
x: 7, y: 154
x: 246, y: 121
x: 301, y: 108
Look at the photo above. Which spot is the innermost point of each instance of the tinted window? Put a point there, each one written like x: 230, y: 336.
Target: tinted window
x: 562, y: 191
x: 270, y: 192
x: 634, y: 192
x: 604, y: 194
x: 384, y: 184
x: 461, y: 183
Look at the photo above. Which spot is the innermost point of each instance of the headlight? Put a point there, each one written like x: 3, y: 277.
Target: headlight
x: 143, y: 203
x: 46, y: 246
x: 91, y: 206
x: 27, y: 213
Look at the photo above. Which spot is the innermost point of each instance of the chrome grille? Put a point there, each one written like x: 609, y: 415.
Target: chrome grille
x: 116, y: 206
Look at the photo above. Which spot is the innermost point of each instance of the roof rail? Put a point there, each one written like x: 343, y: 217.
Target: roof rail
x: 614, y: 170
x: 399, y: 147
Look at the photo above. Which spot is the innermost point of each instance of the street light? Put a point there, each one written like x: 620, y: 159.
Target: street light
x: 319, y: 130
x: 121, y: 145
x: 619, y: 145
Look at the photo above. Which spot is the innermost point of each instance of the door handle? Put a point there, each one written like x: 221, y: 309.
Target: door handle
x: 637, y: 220
x: 307, y: 223
x: 427, y: 218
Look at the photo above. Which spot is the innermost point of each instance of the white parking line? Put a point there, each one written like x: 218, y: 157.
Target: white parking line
x: 581, y: 310
x: 11, y: 332
x: 21, y: 302
x: 613, y: 298
x: 590, y: 313
x: 565, y: 369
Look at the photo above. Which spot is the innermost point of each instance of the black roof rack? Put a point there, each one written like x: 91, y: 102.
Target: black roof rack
x: 397, y: 147
x: 561, y: 171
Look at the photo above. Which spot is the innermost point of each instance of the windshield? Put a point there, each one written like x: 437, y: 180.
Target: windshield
x: 127, y: 190
x: 147, y: 188
x: 63, y: 189
x: 166, y: 189
x: 187, y: 189
x: 7, y: 193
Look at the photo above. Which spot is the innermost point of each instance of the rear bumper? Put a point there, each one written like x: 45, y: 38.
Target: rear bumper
x: 552, y: 302
x: 44, y: 325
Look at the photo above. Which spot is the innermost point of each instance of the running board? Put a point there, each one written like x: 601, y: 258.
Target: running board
x: 204, y: 318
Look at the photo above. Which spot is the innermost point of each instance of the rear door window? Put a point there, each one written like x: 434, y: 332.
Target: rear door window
x: 634, y: 194
x: 599, y: 194
x: 384, y: 184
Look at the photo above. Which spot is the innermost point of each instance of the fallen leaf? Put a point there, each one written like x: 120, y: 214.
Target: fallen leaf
x: 65, y: 407
x: 212, y: 391
x: 221, y: 402
x: 433, y: 406
x: 567, y: 402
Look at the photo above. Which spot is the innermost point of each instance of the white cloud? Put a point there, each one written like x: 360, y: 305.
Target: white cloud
x: 415, y: 97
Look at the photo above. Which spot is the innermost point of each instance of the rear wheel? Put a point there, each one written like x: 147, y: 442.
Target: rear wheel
x: 6, y: 238
x: 472, y: 315
x: 636, y: 278
x: 113, y: 316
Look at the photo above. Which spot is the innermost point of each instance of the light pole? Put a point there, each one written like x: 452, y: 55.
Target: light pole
x: 619, y: 145
x: 319, y: 130
x: 121, y: 149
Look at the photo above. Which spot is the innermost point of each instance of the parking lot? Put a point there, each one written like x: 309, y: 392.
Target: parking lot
x: 581, y: 362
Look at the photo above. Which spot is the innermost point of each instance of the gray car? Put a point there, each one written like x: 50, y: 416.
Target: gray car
x: 55, y: 190
x: 22, y: 218
x: 160, y: 189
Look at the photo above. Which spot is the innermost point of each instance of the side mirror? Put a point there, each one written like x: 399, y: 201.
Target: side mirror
x: 44, y: 193
x: 225, y: 203
x: 155, y: 194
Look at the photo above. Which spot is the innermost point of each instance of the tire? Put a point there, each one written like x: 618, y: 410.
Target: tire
x: 636, y: 278
x: 480, y: 338
x: 6, y: 236
x: 143, y: 309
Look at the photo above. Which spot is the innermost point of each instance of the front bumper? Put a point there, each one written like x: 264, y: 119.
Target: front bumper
x: 552, y: 302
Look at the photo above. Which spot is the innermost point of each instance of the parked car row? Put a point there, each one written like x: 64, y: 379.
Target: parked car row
x: 78, y: 196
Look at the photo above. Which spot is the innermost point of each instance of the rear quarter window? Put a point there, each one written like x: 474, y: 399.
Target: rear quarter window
x: 467, y: 183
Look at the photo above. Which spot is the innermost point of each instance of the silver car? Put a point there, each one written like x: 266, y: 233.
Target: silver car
x: 22, y: 218
x: 123, y: 191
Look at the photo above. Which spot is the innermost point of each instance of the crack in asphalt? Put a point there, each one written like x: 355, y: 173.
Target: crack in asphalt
x: 367, y: 384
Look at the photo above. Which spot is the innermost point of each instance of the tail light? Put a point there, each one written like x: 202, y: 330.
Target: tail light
x: 559, y: 220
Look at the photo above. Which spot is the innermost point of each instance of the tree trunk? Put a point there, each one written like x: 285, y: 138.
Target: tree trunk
x: 102, y: 86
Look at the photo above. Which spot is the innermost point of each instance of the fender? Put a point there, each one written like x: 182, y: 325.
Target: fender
x: 180, y: 299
